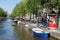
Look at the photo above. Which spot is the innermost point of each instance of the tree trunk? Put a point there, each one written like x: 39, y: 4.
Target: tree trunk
x: 58, y: 21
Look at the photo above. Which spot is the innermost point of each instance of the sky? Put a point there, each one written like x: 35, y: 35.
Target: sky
x: 8, y: 5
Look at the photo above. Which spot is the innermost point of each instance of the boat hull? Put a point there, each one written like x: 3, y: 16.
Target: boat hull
x: 44, y: 35
x: 40, y: 33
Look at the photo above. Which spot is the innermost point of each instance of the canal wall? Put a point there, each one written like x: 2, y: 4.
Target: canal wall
x: 54, y: 33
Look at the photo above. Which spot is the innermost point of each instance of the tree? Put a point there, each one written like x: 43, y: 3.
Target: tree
x: 20, y: 9
x: 2, y: 13
x: 33, y: 6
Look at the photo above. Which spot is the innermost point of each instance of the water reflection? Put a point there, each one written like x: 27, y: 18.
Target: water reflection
x: 26, y: 34
x: 3, y: 32
x: 23, y: 33
x: 39, y: 38
x: 9, y: 32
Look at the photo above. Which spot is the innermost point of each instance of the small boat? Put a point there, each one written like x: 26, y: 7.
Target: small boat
x: 40, y: 33
x: 15, y: 21
x: 26, y: 25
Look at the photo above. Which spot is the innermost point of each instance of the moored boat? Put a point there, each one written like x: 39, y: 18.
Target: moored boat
x: 15, y: 21
x: 40, y: 33
x: 26, y: 25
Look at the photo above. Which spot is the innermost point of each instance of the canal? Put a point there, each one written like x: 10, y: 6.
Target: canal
x: 9, y: 32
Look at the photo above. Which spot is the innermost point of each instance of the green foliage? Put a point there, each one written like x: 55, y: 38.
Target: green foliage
x: 2, y: 13
x: 33, y: 6
x: 59, y: 4
x: 20, y: 9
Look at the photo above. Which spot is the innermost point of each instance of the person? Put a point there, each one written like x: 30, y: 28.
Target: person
x: 52, y: 24
x: 42, y: 19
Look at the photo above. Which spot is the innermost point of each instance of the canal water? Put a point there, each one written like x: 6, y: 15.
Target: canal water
x: 9, y: 32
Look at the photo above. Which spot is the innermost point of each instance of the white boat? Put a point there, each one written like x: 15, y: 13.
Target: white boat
x: 15, y: 21
x: 39, y: 32
x: 26, y: 25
